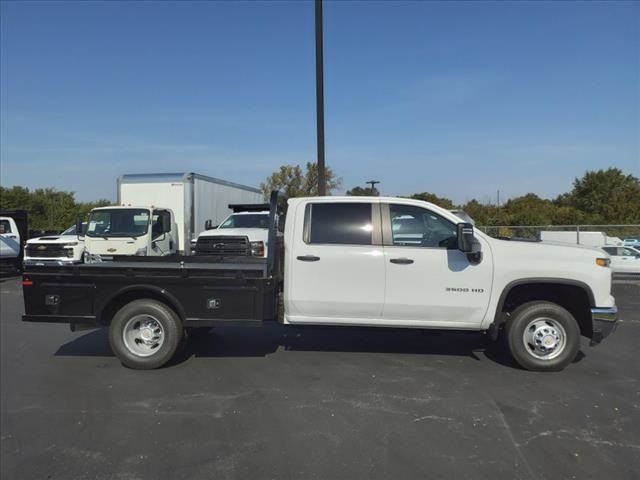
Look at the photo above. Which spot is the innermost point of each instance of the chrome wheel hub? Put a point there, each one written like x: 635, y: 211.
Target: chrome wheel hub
x: 544, y: 338
x: 143, y: 335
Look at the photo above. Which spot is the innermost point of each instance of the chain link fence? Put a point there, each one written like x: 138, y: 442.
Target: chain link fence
x: 583, y: 234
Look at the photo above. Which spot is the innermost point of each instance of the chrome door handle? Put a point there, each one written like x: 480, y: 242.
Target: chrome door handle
x: 401, y: 261
x: 308, y: 258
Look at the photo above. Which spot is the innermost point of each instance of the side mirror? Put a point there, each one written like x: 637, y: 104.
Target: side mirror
x: 208, y: 225
x: 465, y: 237
x: 79, y: 232
x: 166, y: 223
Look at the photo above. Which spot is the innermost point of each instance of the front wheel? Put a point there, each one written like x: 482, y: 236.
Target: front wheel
x: 543, y: 336
x: 145, y: 334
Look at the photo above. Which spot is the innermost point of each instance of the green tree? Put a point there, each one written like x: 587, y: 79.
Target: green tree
x: 363, y: 192
x: 433, y: 198
x: 48, y: 208
x: 14, y: 198
x: 294, y: 183
x: 606, y: 196
x: 528, y: 209
x: 480, y: 213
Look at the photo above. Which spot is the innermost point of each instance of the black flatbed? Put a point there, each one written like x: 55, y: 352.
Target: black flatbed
x: 203, y: 290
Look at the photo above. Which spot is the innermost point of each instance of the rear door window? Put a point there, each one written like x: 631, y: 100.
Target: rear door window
x: 339, y: 223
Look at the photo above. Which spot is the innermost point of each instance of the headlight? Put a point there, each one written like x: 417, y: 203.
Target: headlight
x: 141, y: 252
x: 71, y: 244
x: 603, y: 262
x: 257, y: 249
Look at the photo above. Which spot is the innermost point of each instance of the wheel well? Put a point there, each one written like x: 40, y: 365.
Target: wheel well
x: 122, y: 299
x: 573, y: 298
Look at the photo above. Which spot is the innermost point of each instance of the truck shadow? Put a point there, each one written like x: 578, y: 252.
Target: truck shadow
x: 262, y: 341
x: 8, y: 277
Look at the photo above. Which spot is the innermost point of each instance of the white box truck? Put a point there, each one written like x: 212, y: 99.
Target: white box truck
x: 160, y: 213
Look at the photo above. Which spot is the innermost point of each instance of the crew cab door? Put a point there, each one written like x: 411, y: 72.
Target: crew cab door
x: 429, y: 281
x: 335, y: 270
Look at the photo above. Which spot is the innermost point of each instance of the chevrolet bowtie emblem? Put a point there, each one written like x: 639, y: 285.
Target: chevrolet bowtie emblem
x: 42, y: 247
x: 111, y: 250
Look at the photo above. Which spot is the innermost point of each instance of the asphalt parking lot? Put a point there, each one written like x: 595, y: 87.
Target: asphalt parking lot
x: 327, y: 403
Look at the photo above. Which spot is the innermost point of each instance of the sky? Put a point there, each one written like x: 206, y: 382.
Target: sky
x: 458, y: 99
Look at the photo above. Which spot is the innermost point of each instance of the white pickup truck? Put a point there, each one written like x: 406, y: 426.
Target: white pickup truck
x: 62, y: 249
x: 356, y: 261
x: 243, y: 233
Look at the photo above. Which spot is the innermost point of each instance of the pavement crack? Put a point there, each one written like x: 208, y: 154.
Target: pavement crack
x: 511, y: 437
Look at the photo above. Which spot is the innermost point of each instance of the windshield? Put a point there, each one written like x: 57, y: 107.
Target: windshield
x: 246, y: 221
x: 72, y: 230
x: 121, y: 222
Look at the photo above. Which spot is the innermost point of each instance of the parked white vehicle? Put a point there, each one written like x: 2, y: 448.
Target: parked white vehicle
x: 159, y: 214
x: 9, y: 252
x: 243, y: 233
x: 592, y: 239
x: 13, y: 233
x: 66, y: 248
x: 9, y: 229
x: 624, y: 259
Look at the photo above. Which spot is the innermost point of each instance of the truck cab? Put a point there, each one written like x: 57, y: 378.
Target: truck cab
x: 244, y: 233
x: 128, y: 230
x: 66, y: 248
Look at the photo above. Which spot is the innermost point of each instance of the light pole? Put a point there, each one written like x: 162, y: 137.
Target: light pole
x: 322, y: 184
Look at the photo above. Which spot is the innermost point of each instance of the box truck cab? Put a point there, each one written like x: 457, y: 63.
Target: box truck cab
x: 128, y: 230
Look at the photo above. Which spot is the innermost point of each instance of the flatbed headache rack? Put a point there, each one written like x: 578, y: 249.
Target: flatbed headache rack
x: 249, y: 207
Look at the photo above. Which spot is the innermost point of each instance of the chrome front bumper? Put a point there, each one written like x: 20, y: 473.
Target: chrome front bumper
x: 604, y: 321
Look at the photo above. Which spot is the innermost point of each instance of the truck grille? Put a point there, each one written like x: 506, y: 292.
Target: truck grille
x: 225, y: 246
x: 44, y: 250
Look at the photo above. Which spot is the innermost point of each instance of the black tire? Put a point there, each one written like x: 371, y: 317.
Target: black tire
x: 530, y: 315
x: 169, y: 323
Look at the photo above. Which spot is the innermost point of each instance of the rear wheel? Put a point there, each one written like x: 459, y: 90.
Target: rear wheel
x: 145, y: 334
x: 543, y: 336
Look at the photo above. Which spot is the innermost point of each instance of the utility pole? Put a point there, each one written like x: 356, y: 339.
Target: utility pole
x: 322, y: 183
x: 373, y: 185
